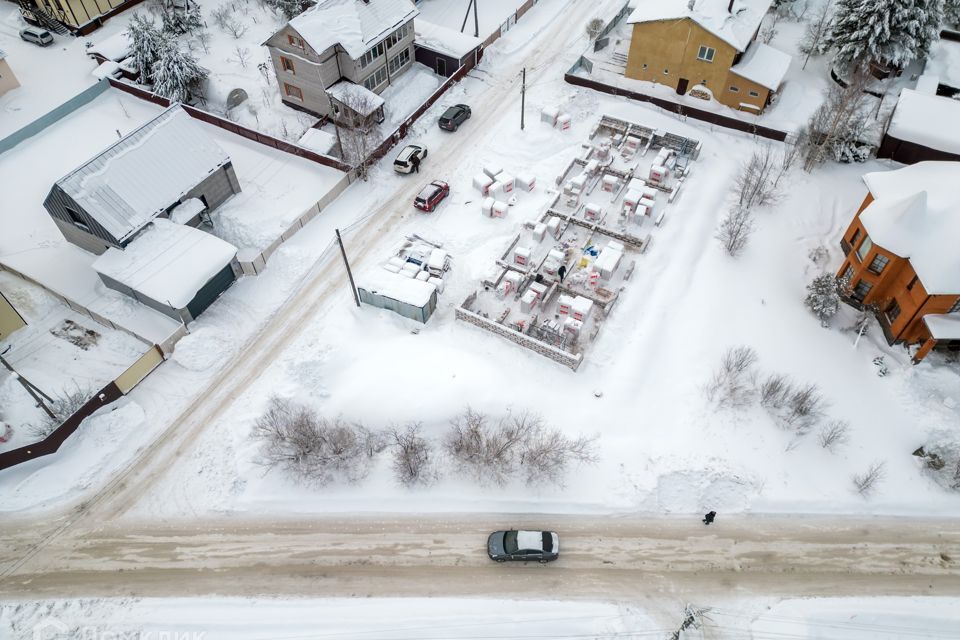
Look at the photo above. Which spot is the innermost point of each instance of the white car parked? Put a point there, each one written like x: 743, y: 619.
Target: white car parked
x: 409, y: 157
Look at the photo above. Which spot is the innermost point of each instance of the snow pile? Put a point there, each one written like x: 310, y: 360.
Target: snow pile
x: 735, y: 28
x: 916, y: 215
x: 354, y: 25
x: 145, y: 172
x: 928, y: 120
x: 204, y: 349
x: 115, y: 47
x: 944, y: 62
x: 168, y: 262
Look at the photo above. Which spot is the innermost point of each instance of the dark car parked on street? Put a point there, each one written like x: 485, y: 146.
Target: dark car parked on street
x: 453, y: 117
x: 540, y: 546
x: 431, y: 195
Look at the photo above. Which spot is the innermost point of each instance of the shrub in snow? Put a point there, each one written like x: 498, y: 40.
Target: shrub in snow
x: 514, y: 445
x: 309, y: 447
x: 731, y: 384
x: 593, y: 28
x: 838, y: 126
x: 941, y: 459
x: 176, y: 74
x: 892, y: 33
x: 775, y: 390
x: 834, y: 434
x: 225, y: 16
x: 866, y: 482
x: 735, y: 230
x: 289, y: 8
x: 413, y: 462
x: 804, y: 408
x: 823, y: 297
x: 64, y: 405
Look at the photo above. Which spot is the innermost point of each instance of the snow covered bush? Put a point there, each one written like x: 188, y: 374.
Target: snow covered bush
x: 839, y: 126
x: 64, y: 405
x: 177, y: 75
x: 941, y: 459
x: 775, y: 390
x: 834, y: 434
x: 823, y: 297
x: 312, y: 448
x: 289, y: 9
x: 731, y: 385
x: 516, y: 444
x: 413, y: 462
x: 866, y: 482
x: 593, y: 28
x: 225, y: 16
x: 178, y: 20
x: 804, y: 408
x: 146, y: 44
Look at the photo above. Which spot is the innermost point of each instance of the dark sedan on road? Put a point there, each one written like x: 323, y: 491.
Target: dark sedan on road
x: 540, y: 546
x: 453, y: 117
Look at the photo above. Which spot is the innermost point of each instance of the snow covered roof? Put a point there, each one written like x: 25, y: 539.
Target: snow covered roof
x: 187, y: 210
x: 944, y: 62
x: 927, y: 120
x: 105, y: 70
x: 943, y: 326
x: 116, y: 47
x: 356, y: 25
x: 444, y: 40
x: 399, y: 287
x: 916, y: 214
x: 317, y: 140
x: 928, y: 83
x: 735, y: 28
x: 763, y: 64
x: 168, y: 262
x: 355, y: 95
x: 145, y: 172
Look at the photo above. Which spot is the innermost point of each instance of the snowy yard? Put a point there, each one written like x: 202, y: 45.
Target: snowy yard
x: 491, y: 14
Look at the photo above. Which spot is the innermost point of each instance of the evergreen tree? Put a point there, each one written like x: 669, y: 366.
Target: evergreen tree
x: 175, y: 73
x: 892, y: 32
x: 951, y: 13
x: 290, y: 9
x: 823, y: 297
x: 183, y: 19
x: 146, y: 44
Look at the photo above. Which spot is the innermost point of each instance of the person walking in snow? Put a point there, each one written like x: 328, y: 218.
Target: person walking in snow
x: 415, y: 161
x: 708, y: 519
x: 562, y: 272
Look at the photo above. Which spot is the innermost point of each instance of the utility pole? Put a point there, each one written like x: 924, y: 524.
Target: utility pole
x: 343, y: 252
x: 523, y: 97
x: 33, y: 390
x: 476, y: 21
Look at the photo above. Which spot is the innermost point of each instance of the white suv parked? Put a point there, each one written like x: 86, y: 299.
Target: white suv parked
x: 405, y: 159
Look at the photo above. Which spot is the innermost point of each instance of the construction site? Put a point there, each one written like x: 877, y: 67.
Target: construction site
x: 560, y: 277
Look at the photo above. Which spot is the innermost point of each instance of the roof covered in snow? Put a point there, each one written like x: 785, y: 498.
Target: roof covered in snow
x: 943, y: 326
x: 399, y: 287
x: 927, y: 120
x: 145, y: 172
x: 734, y: 27
x: 115, y: 47
x: 106, y: 70
x: 356, y: 96
x: 763, y: 64
x: 944, y: 62
x: 167, y: 262
x: 444, y: 39
x: 317, y: 140
x: 916, y: 214
x: 356, y: 25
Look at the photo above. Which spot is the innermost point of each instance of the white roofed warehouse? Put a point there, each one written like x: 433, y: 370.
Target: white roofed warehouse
x: 901, y: 256
x: 707, y: 49
x: 143, y: 176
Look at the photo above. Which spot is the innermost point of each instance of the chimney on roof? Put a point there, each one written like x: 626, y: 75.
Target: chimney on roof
x: 730, y: 7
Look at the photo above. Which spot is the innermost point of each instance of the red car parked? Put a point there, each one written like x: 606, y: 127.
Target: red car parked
x: 431, y: 195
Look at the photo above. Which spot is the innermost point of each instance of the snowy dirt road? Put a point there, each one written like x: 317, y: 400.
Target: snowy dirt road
x: 602, y: 557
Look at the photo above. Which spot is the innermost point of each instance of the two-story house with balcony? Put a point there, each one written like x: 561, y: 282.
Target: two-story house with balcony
x: 335, y: 58
x: 707, y: 49
x: 901, y: 255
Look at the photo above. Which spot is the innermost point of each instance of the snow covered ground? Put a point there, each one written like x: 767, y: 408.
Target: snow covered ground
x: 491, y: 14
x: 491, y: 619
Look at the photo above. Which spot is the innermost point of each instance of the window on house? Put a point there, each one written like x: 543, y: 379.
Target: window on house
x: 287, y: 65
x: 295, y: 41
x: 847, y: 275
x: 856, y: 236
x: 754, y: 94
x: 912, y: 282
x: 292, y: 91
x: 861, y: 290
x: 398, y: 35
x: 878, y: 264
x: 735, y: 89
x: 76, y: 219
x: 706, y: 54
x: 371, y: 55
x: 955, y: 307
x: 399, y: 60
x: 376, y: 78
x: 893, y: 311
x: 864, y: 248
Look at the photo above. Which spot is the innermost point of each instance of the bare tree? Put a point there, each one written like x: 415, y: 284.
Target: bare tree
x: 548, y: 453
x: 834, y: 434
x: 730, y: 385
x: 64, y: 405
x: 735, y: 230
x: 838, y: 123
x: 775, y: 390
x: 312, y: 448
x: 866, y: 482
x: 413, y: 462
x: 594, y: 27
x: 242, y: 55
x: 357, y: 129
x: 804, y: 408
x: 814, y: 31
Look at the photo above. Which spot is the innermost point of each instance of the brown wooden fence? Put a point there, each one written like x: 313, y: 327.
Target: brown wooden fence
x: 52, y: 443
x: 679, y: 109
x: 233, y: 127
